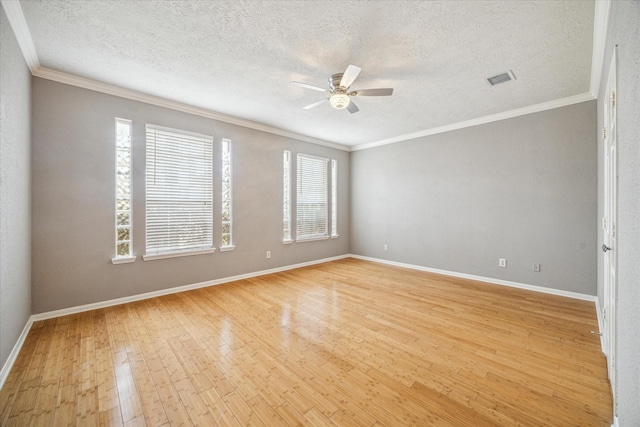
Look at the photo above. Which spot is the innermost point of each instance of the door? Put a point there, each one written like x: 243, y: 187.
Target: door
x: 609, y: 223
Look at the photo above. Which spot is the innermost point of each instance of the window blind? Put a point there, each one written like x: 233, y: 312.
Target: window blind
x: 179, y: 183
x: 312, y: 203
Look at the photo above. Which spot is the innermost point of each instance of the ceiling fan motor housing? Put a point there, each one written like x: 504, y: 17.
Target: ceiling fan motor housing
x: 334, y: 81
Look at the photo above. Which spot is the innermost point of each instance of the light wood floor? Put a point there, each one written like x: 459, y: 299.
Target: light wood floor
x: 348, y: 343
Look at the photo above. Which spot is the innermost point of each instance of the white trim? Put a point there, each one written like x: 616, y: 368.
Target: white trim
x: 139, y: 297
x: 20, y: 28
x: 600, y: 324
x: 4, y: 373
x: 123, y: 260
x: 311, y: 239
x: 153, y: 257
x: 106, y: 88
x: 600, y: 24
x: 117, y: 181
x: 574, y: 295
x: 563, y: 102
x: 14, y: 13
x: 616, y: 423
x: 6, y: 368
x: 85, y: 83
x: 227, y: 248
x: 287, y: 241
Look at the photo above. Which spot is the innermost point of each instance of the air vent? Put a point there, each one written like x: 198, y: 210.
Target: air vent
x: 501, y: 78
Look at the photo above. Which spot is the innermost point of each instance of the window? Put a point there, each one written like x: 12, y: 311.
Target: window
x: 312, y: 203
x: 124, y: 235
x: 286, y: 197
x: 227, y: 237
x: 179, y: 184
x: 334, y: 198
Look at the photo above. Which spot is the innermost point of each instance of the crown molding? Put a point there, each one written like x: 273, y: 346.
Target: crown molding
x: 600, y: 25
x: 14, y: 13
x: 109, y: 89
x: 557, y: 103
x: 20, y: 28
x: 21, y: 31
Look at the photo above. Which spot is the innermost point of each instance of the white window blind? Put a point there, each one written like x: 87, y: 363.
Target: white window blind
x: 312, y: 204
x: 286, y: 197
x: 179, y: 183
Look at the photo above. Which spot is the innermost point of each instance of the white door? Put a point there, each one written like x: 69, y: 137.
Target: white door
x: 609, y: 223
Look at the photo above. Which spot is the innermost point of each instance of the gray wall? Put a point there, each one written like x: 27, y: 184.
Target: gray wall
x: 523, y: 189
x: 73, y: 200
x: 624, y: 31
x: 15, y: 190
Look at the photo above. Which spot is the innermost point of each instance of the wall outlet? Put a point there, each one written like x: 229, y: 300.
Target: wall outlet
x: 268, y: 254
x: 536, y: 268
x: 386, y: 247
x: 502, y: 262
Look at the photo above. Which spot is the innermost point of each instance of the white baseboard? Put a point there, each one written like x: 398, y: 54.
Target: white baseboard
x: 575, y: 295
x: 147, y: 295
x: 4, y: 372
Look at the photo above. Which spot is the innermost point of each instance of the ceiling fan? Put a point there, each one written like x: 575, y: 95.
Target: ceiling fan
x: 339, y: 93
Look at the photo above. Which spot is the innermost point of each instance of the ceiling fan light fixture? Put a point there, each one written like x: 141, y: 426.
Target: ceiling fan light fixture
x: 339, y: 100
x: 339, y: 93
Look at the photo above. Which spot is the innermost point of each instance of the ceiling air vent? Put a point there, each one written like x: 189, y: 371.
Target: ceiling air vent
x: 501, y: 78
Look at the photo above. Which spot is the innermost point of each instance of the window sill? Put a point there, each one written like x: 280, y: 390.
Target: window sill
x: 154, y: 257
x: 312, y: 239
x: 123, y: 260
x: 287, y: 242
x: 227, y: 248
x: 335, y: 236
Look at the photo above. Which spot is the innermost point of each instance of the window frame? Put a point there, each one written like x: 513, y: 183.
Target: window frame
x: 334, y: 199
x: 128, y: 258
x: 227, y: 164
x: 287, y: 232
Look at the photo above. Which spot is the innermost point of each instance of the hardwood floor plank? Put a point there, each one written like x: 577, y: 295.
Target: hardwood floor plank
x: 343, y: 343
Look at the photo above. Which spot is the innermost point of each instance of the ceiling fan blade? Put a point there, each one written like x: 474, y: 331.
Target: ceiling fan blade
x: 372, y: 92
x: 350, y: 74
x: 308, y: 86
x: 353, y: 108
x: 315, y: 104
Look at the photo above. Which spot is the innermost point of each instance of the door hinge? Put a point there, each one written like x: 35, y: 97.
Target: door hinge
x: 604, y: 223
x: 604, y: 133
x: 612, y: 99
x: 604, y: 313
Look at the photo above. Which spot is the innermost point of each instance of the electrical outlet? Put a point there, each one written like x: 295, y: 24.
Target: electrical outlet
x: 502, y: 262
x: 386, y: 247
x: 536, y: 268
x: 268, y: 254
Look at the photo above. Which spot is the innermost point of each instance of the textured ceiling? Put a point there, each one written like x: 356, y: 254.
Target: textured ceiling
x: 238, y: 57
